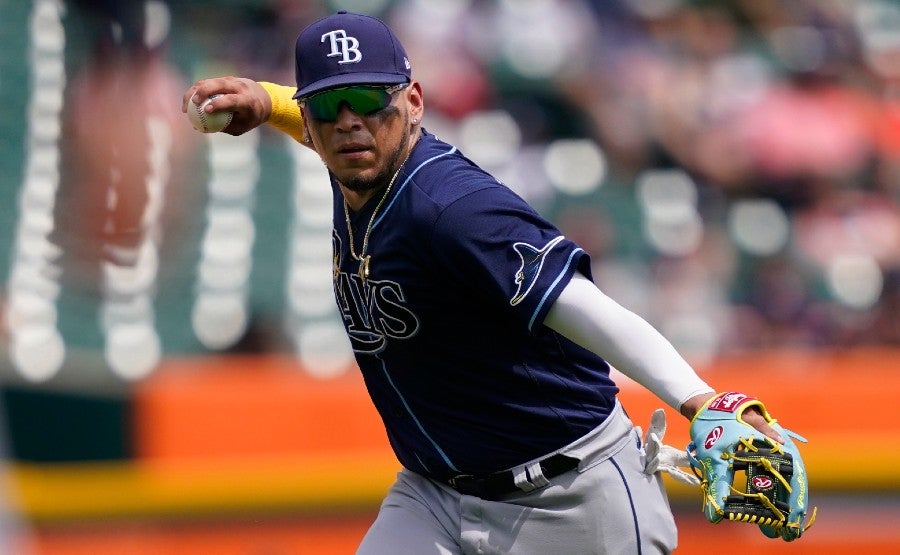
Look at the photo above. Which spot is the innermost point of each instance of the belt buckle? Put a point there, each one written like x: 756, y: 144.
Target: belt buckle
x: 454, y: 482
x: 468, y: 484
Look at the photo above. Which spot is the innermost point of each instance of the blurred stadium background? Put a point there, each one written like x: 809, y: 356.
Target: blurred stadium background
x: 174, y: 378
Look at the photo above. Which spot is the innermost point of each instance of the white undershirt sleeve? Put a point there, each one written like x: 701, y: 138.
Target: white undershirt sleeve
x: 585, y: 315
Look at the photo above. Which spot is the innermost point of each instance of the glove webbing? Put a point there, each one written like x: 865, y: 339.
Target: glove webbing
x: 750, y: 455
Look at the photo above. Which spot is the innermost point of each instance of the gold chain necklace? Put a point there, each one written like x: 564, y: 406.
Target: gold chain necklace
x: 365, y: 260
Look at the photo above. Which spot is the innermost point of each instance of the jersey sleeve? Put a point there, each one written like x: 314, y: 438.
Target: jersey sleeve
x: 506, y: 253
x: 286, y: 116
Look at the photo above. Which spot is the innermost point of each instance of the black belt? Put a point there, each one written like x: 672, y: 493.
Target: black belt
x: 498, y: 484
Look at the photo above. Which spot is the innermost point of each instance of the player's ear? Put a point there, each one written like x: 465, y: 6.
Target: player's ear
x: 415, y: 101
x: 307, y: 139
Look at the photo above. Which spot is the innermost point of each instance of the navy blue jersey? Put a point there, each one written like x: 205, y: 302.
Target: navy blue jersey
x: 447, y: 330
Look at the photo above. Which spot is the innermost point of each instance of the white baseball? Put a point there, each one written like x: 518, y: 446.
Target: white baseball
x: 205, y: 122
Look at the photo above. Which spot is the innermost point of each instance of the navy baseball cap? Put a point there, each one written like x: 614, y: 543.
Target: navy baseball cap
x: 346, y: 49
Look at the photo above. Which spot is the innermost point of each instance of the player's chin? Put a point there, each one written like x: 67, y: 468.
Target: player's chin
x: 359, y: 179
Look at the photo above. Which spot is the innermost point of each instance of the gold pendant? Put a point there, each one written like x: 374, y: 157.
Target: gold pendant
x: 364, y: 270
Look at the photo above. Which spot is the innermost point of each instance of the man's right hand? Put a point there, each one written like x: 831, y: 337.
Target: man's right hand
x: 250, y: 103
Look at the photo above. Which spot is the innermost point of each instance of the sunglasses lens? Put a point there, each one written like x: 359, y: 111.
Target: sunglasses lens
x: 325, y: 105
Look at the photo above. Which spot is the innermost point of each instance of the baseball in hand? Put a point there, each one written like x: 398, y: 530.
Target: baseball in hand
x: 206, y: 122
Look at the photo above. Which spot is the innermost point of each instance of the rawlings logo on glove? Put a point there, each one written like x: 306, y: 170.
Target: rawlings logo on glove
x: 746, y: 476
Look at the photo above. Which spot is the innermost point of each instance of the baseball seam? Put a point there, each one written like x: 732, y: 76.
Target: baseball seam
x: 201, y: 116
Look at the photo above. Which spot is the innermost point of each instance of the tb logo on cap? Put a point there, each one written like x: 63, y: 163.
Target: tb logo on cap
x: 342, y: 45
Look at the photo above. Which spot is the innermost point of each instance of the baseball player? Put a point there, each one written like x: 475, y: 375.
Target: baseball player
x: 483, y: 342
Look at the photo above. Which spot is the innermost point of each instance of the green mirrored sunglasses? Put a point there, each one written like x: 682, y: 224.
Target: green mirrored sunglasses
x: 365, y: 100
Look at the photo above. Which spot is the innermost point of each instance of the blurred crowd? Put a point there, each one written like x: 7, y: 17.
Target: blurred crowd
x: 743, y: 185
x: 732, y: 166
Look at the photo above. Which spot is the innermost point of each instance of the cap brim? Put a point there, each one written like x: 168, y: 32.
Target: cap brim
x: 349, y: 79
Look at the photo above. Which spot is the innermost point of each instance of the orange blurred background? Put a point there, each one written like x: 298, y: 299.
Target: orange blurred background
x: 247, y: 455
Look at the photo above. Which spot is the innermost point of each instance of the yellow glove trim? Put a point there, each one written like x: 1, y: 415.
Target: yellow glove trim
x: 780, y: 516
x: 286, y: 116
x: 809, y: 522
x: 738, y: 410
x: 747, y: 443
x: 708, y: 499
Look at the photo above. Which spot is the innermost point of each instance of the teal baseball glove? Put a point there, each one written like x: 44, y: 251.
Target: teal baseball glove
x: 746, y: 476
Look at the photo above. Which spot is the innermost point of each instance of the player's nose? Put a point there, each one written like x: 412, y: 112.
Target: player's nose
x: 346, y: 118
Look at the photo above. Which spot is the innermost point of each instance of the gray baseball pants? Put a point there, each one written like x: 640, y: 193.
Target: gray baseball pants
x: 607, y: 506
